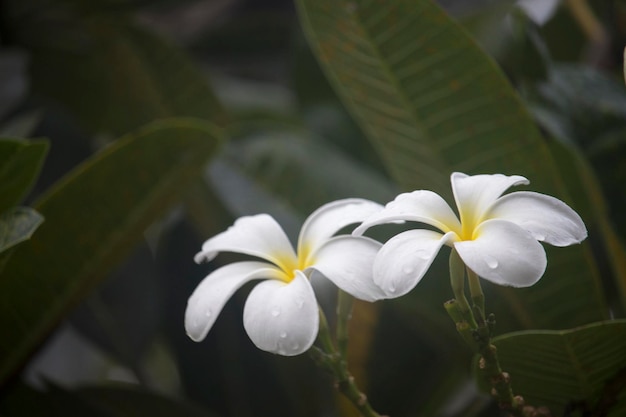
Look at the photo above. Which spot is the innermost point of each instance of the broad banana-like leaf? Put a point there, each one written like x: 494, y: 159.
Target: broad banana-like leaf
x: 432, y: 102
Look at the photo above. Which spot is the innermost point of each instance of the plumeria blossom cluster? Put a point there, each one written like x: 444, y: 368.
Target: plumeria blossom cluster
x: 281, y: 313
x: 496, y: 236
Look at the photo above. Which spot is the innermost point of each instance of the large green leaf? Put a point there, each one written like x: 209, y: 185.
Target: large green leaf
x: 20, y: 163
x: 432, y: 102
x: 115, y: 76
x: 584, y: 367
x: 94, y: 217
x: 421, y: 89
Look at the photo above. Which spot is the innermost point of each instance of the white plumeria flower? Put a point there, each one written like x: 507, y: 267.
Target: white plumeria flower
x: 281, y: 313
x: 497, y: 237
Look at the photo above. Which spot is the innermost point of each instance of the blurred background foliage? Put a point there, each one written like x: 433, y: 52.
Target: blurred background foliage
x: 135, y: 129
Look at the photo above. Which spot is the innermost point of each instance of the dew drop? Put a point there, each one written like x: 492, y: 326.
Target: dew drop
x: 208, y: 313
x: 424, y: 255
x: 491, y: 262
x: 295, y: 346
x: 275, y: 312
x: 408, y: 269
x: 283, y: 335
x: 392, y: 289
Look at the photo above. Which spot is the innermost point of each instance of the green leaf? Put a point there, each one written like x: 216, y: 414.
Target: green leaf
x: 17, y: 225
x: 432, y: 103
x: 94, y: 217
x: 563, y: 368
x: 303, y: 172
x: 115, y: 76
x: 421, y: 89
x: 20, y: 163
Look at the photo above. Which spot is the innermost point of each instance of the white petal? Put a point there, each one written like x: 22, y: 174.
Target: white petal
x: 208, y: 299
x: 347, y: 261
x: 475, y: 194
x: 504, y: 254
x: 327, y: 220
x: 546, y: 218
x: 405, y: 258
x: 420, y: 206
x: 257, y: 235
x: 282, y: 318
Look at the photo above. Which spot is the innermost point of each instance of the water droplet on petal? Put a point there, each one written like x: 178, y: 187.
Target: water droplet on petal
x: 491, y: 262
x: 275, y: 312
x: 282, y: 351
x: 391, y: 288
x: 295, y: 346
x: 424, y: 255
x: 540, y: 236
x: 408, y: 269
x: 208, y: 313
x: 283, y: 335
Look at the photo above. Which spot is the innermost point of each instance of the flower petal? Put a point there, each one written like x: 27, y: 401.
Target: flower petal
x: 405, y: 258
x: 546, y: 218
x: 257, y: 235
x: 419, y: 206
x: 475, y: 194
x: 208, y: 299
x: 282, y: 318
x: 327, y: 220
x: 504, y: 253
x: 347, y: 261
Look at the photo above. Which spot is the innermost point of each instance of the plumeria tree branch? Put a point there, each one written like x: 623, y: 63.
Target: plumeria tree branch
x: 334, y: 360
x: 478, y: 337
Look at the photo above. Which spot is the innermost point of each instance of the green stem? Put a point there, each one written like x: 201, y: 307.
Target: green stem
x: 330, y: 358
x: 457, y: 282
x: 476, y: 332
x: 462, y: 326
x: 476, y: 292
x: 489, y: 367
x: 344, y: 313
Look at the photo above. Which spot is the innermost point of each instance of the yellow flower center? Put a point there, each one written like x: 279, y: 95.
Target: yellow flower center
x: 288, y: 264
x: 469, y: 223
